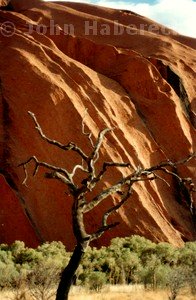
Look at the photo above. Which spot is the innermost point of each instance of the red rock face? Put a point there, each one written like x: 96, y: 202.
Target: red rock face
x: 14, y: 222
x: 143, y: 84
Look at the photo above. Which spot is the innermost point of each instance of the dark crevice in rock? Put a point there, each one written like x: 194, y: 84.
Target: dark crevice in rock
x: 185, y: 239
x: 30, y: 218
x: 13, y: 186
x: 142, y: 117
x: 176, y: 83
x: 23, y: 204
x: 174, y: 223
x: 5, y: 169
x: 7, y: 7
x: 184, y: 196
x: 183, y: 232
x: 6, y: 123
x: 9, y: 179
x: 144, y: 121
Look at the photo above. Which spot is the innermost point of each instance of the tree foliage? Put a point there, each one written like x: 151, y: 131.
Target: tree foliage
x: 130, y: 260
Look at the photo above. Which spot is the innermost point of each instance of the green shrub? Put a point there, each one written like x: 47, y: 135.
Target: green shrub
x: 127, y: 260
x: 96, y: 280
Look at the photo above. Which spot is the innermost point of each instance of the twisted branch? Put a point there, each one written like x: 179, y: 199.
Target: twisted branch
x: 88, y: 134
x: 110, y: 211
x: 106, y: 165
x: 70, y: 146
x: 80, y: 205
x: 38, y: 164
x: 140, y: 174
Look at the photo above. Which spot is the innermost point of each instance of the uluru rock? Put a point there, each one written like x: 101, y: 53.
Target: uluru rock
x: 19, y: 5
x: 140, y: 83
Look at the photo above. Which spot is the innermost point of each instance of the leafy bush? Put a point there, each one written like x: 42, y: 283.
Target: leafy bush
x: 127, y: 260
x: 95, y: 280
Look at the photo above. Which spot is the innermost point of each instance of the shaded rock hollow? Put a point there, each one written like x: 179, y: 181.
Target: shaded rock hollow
x: 143, y: 84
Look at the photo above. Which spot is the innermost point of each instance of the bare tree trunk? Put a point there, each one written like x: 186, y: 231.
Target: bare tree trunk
x: 68, y: 273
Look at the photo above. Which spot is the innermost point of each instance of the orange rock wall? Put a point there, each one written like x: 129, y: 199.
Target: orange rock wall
x: 15, y: 224
x: 124, y: 83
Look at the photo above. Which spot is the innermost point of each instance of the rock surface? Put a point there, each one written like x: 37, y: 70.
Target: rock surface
x: 142, y: 82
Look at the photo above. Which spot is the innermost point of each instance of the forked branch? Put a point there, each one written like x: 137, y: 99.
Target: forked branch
x: 70, y: 146
x: 122, y: 188
x: 45, y: 165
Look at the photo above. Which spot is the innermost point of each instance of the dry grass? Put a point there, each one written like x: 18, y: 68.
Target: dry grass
x: 132, y: 296
x: 127, y: 293
x: 111, y: 293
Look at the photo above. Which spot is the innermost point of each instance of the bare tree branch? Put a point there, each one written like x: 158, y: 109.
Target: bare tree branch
x: 94, y: 156
x: 88, y: 134
x: 139, y: 175
x: 70, y: 146
x: 59, y: 176
x: 76, y: 168
x: 185, y: 160
x: 101, y: 230
x: 106, y: 165
x: 129, y: 180
x: 111, y: 210
x: 125, y: 197
x: 95, y: 153
x: 156, y: 176
x: 173, y: 164
x: 38, y: 164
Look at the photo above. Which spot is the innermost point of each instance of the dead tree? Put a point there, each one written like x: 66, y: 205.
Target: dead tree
x: 123, y: 188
